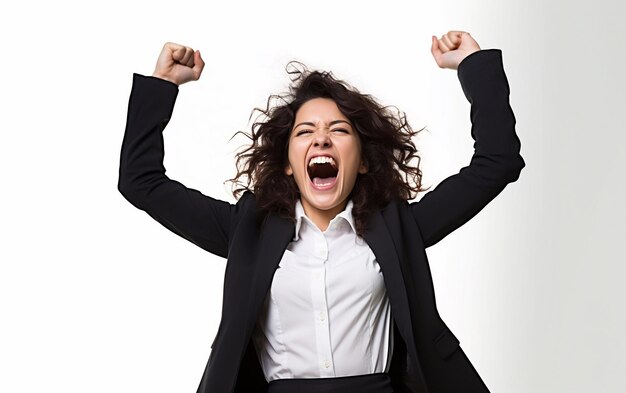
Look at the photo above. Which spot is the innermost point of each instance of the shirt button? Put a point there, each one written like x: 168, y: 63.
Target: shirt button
x: 321, y: 316
x: 326, y: 363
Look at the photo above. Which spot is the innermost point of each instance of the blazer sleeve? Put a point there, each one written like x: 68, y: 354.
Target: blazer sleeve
x: 496, y: 160
x: 202, y: 220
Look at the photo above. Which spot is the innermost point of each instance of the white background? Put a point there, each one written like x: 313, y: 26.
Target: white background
x: 96, y: 296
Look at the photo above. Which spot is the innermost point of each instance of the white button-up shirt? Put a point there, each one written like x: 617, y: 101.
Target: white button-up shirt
x: 327, y: 313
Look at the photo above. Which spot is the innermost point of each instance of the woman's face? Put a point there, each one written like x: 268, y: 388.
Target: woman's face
x: 324, y: 157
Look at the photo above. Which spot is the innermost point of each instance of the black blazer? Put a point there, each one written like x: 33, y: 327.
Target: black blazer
x: 427, y: 356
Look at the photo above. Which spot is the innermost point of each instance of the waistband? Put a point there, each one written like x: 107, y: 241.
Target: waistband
x: 368, y: 383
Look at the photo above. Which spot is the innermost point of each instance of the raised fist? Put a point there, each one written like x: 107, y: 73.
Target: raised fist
x: 178, y: 64
x: 454, y: 46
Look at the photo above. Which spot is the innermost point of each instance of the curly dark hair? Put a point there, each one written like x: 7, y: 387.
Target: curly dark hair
x: 386, y: 144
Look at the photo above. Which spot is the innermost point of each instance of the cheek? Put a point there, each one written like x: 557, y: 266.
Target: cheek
x: 290, y: 165
x: 295, y: 161
x: 354, y: 158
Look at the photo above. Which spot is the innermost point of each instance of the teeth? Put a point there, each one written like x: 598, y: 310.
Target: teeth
x: 322, y: 160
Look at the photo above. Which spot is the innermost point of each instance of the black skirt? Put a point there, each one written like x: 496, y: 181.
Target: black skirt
x: 369, y: 383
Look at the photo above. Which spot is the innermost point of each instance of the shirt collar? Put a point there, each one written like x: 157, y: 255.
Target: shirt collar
x: 346, y: 214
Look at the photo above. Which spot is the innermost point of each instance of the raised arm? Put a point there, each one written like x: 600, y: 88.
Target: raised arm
x: 496, y: 160
x: 198, y: 218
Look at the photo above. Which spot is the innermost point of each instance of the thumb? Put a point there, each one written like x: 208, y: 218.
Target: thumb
x: 198, y: 64
x: 434, y: 48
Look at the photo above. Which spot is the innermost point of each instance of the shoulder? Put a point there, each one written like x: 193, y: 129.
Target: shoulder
x: 244, y: 207
x: 247, y: 204
x: 247, y: 197
x: 395, y: 205
x: 394, y: 212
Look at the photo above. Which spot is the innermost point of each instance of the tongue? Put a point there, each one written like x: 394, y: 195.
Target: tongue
x: 320, y: 181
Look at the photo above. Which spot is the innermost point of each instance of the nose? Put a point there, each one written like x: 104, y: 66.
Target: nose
x: 322, y: 139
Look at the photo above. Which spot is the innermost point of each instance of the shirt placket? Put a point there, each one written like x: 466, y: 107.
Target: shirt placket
x: 320, y: 307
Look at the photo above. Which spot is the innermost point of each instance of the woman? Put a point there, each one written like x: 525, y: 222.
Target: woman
x: 327, y: 286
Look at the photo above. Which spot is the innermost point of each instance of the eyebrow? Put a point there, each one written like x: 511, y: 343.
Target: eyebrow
x: 308, y: 123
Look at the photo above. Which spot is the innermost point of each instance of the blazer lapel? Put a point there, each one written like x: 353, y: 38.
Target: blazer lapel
x: 380, y: 241
x: 276, y: 233
x: 378, y: 238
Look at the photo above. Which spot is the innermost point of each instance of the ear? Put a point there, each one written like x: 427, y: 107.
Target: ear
x: 362, y: 168
x: 288, y: 170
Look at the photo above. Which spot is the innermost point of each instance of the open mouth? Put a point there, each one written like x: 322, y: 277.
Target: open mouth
x: 323, y: 172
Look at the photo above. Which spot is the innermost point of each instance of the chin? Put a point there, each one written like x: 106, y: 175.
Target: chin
x: 324, y: 199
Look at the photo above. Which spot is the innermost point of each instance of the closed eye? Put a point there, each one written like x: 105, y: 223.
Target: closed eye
x: 303, y: 132
x: 341, y: 130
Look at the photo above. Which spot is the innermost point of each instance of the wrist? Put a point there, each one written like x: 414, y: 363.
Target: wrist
x: 157, y: 75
